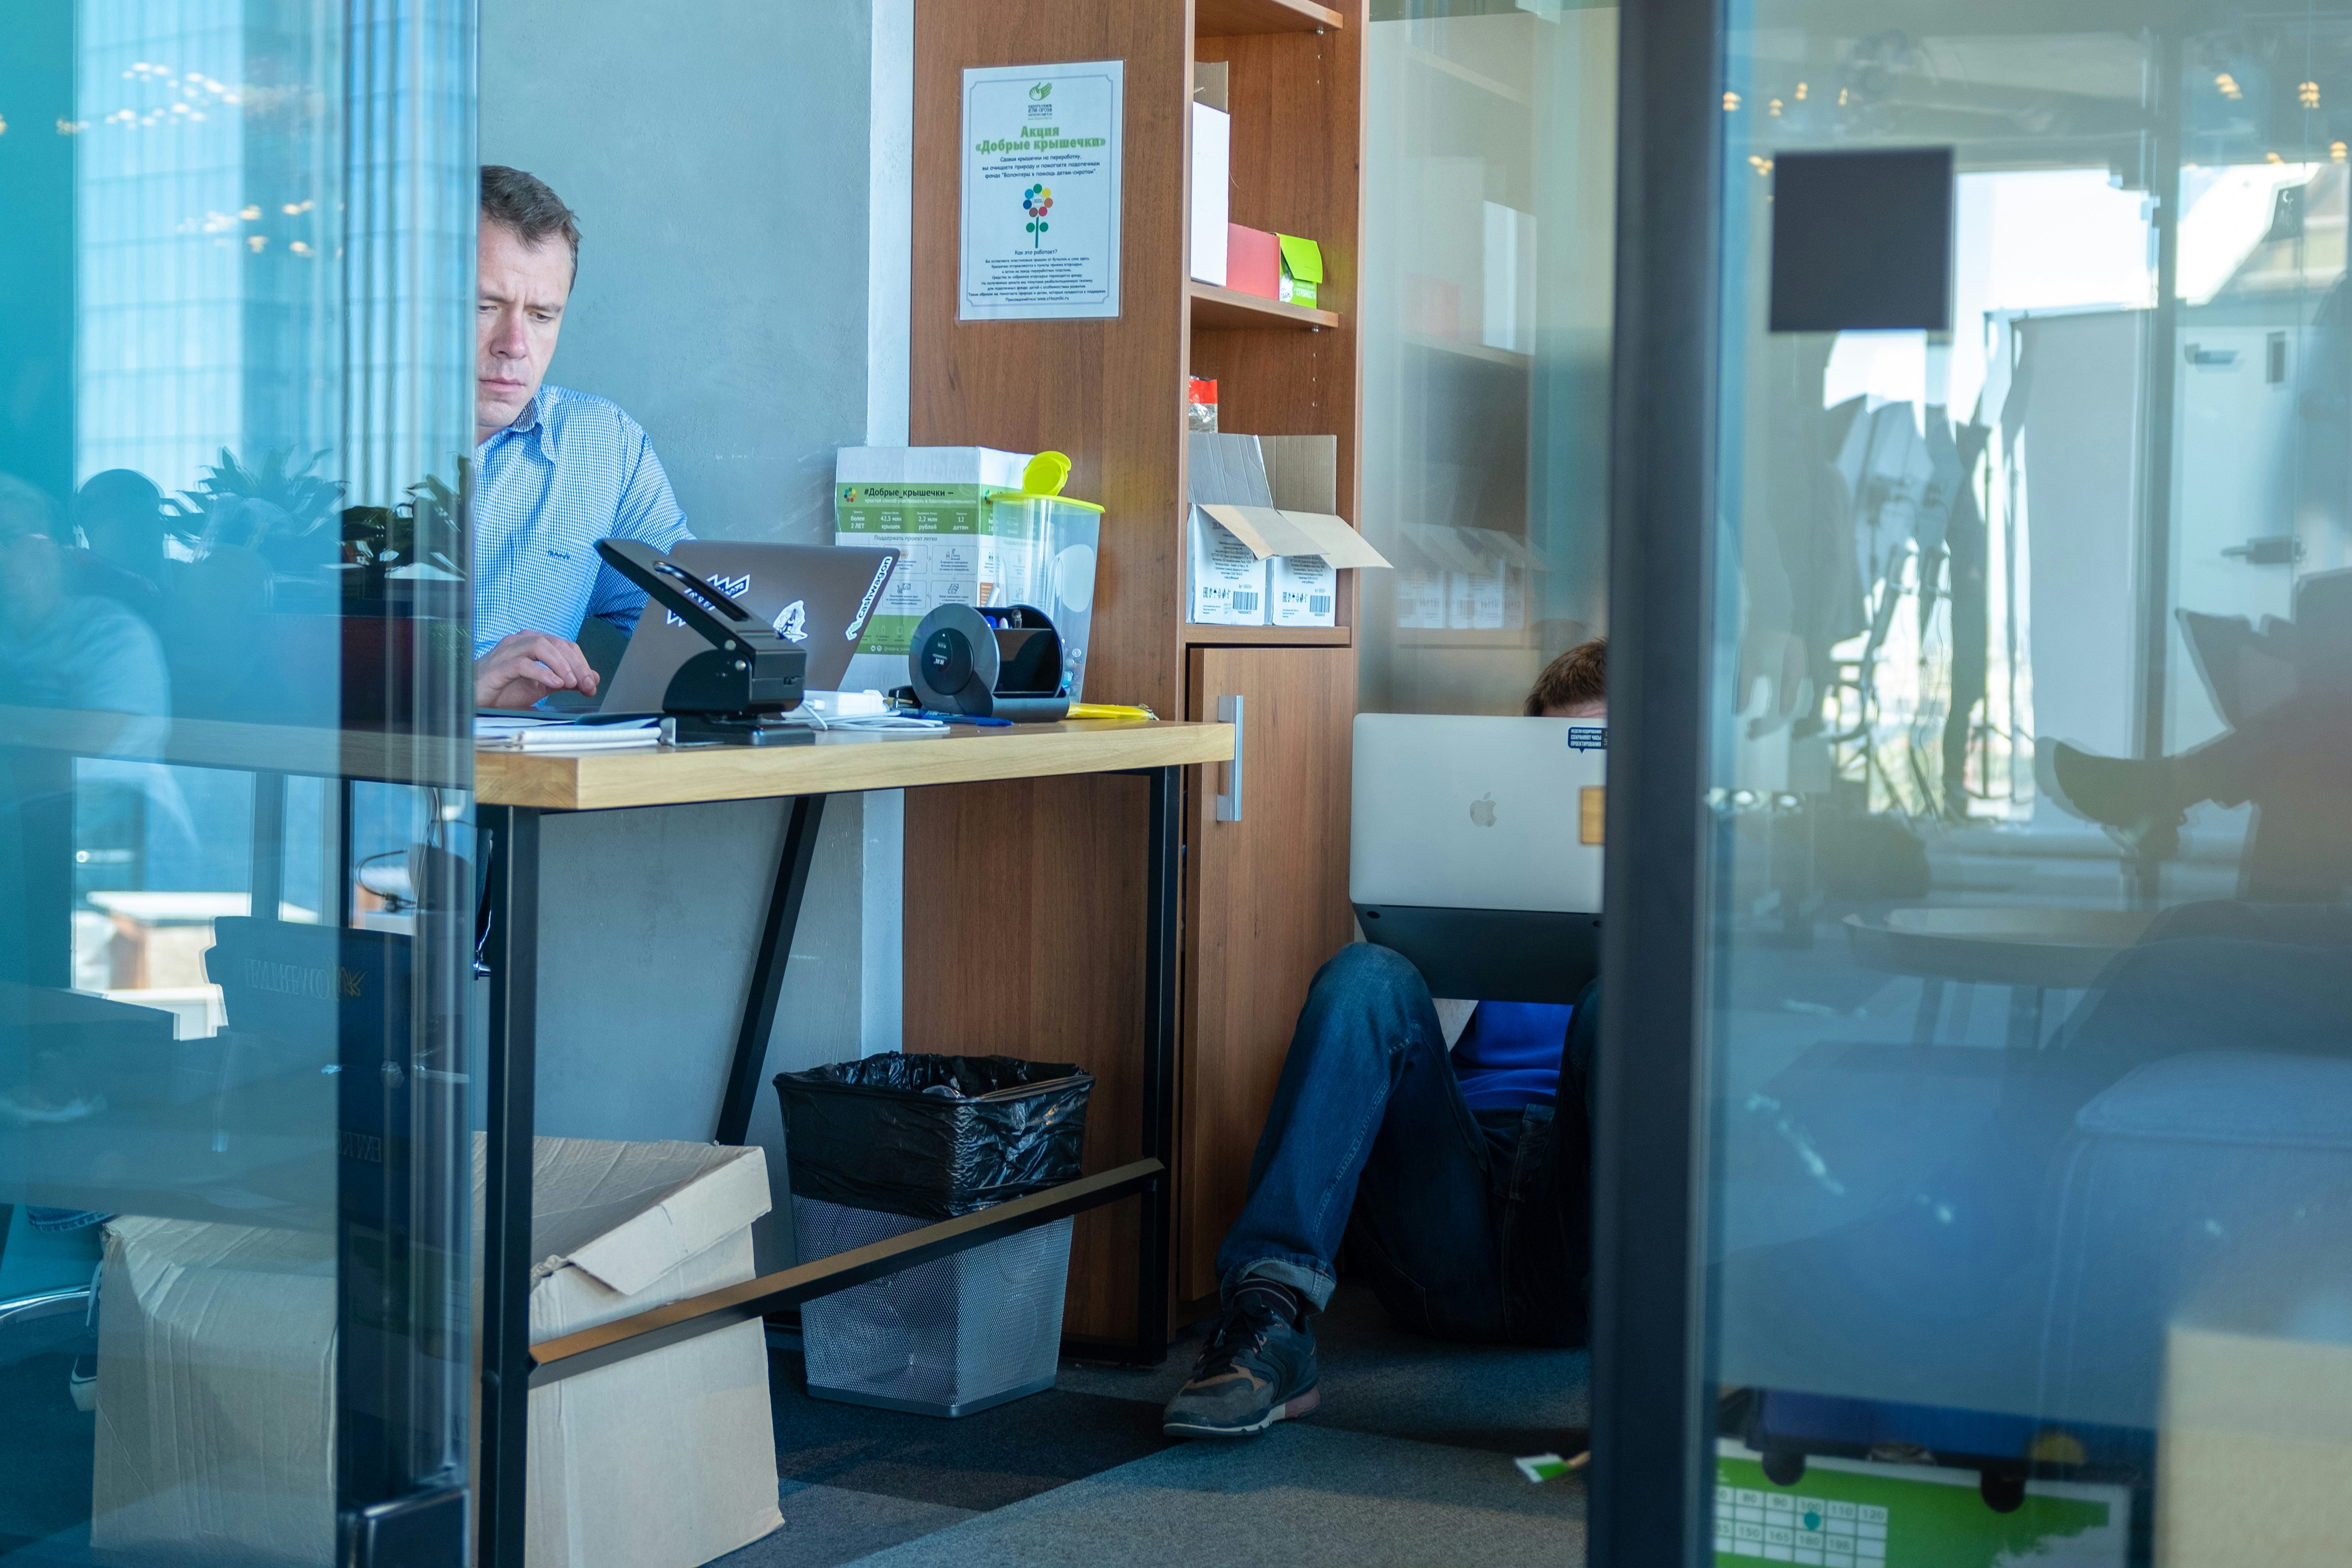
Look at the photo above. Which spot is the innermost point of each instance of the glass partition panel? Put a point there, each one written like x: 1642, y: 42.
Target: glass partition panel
x: 2027, y: 1033
x: 236, y: 275
x: 1489, y: 161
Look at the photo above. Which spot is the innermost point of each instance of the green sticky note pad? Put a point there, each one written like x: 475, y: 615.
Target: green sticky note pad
x: 1302, y: 258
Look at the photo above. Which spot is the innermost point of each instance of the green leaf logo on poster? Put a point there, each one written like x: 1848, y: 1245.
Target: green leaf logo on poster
x: 1041, y: 93
x: 1037, y: 201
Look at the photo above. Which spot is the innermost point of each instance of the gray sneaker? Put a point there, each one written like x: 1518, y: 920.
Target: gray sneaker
x: 1255, y: 1370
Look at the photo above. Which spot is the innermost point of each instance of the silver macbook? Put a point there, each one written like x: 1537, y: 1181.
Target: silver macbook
x: 819, y: 597
x: 1478, y: 814
x: 1475, y: 849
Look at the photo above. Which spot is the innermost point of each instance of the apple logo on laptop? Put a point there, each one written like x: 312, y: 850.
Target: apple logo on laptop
x: 1481, y: 812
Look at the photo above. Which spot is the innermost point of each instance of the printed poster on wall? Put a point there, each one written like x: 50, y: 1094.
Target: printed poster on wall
x: 1042, y: 154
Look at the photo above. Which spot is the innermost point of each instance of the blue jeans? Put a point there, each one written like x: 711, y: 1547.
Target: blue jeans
x: 1469, y: 1225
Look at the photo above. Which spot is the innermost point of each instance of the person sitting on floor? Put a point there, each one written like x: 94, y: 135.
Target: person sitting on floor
x: 1461, y: 1179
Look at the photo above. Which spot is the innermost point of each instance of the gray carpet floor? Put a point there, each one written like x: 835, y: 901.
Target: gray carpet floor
x: 1407, y: 1461
x: 1306, y: 1497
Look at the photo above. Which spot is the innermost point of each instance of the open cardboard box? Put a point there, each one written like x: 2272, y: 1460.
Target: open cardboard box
x: 1265, y: 518
x: 216, y: 1367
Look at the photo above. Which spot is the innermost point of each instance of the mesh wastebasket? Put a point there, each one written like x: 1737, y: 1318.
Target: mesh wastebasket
x: 888, y: 1144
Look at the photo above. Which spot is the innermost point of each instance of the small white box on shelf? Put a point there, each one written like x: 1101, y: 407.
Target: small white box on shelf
x: 1302, y: 590
x: 1271, y: 498
x: 1212, y: 144
x: 1228, y: 578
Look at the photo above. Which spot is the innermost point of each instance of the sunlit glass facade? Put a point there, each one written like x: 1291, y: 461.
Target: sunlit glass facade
x: 235, y: 890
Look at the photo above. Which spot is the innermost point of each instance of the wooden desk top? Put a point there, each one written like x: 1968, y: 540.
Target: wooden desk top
x: 557, y: 781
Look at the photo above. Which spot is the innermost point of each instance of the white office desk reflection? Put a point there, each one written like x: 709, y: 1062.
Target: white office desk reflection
x: 225, y: 1127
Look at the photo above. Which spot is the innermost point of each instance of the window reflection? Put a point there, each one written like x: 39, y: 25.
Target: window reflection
x: 233, y: 805
x: 2028, y: 1023
x: 1486, y: 314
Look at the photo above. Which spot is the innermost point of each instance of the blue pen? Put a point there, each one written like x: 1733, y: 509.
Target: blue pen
x: 965, y: 718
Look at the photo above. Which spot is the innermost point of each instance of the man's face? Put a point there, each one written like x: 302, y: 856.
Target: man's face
x: 523, y: 291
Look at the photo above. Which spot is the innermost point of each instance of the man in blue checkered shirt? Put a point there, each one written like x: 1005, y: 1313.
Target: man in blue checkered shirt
x: 554, y: 470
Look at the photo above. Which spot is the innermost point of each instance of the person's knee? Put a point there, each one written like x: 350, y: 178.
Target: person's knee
x: 1365, y: 998
x: 1362, y: 970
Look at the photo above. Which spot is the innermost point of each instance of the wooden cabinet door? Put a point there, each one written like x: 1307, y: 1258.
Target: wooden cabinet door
x: 1265, y: 901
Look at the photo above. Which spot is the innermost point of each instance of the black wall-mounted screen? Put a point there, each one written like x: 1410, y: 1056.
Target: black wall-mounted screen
x: 1862, y: 241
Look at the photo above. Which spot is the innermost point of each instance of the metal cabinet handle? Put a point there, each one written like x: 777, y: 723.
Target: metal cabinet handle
x: 1229, y: 800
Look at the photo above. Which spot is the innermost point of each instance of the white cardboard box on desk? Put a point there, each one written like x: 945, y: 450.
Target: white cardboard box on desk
x: 216, y: 1374
x: 930, y: 503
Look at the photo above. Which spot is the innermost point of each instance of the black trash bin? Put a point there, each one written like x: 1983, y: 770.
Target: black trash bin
x: 889, y: 1143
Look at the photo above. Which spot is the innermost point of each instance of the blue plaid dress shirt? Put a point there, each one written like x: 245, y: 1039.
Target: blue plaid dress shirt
x: 572, y: 469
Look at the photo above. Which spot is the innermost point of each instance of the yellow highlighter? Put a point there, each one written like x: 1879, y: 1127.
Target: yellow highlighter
x: 1109, y: 711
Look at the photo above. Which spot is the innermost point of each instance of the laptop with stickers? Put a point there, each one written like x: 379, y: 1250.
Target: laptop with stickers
x: 819, y: 597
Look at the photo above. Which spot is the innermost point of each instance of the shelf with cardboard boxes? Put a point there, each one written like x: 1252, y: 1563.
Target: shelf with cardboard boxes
x: 1273, y: 224
x: 1016, y: 893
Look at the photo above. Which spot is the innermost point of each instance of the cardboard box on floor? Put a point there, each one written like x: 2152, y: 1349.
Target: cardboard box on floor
x: 216, y: 1354
x: 2256, y: 1438
x: 1267, y: 503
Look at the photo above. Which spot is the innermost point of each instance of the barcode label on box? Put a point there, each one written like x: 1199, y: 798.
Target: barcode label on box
x: 1244, y: 600
x: 1318, y: 604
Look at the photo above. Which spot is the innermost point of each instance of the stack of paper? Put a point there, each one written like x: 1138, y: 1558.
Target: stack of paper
x: 538, y: 732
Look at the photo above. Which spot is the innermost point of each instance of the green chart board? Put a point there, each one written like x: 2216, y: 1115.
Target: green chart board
x: 1846, y: 1514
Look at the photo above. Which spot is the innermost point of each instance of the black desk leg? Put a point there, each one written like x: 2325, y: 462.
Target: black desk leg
x: 768, y: 969
x: 1161, y: 965
x: 512, y: 954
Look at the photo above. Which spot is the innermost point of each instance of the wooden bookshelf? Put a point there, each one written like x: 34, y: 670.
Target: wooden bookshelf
x: 1238, y: 18
x: 1024, y: 899
x: 1229, y: 309
x: 1268, y: 637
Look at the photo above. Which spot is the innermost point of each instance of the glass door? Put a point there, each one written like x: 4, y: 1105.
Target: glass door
x: 235, y: 900
x: 1487, y: 166
x: 2022, y: 1054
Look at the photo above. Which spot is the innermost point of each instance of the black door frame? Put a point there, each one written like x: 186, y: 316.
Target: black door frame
x: 1653, y: 1424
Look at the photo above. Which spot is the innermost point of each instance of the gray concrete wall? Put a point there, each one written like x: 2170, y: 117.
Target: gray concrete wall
x: 743, y: 295
x: 717, y: 157
x: 650, y: 920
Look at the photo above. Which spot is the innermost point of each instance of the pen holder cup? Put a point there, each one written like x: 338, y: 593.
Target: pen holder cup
x: 1040, y: 550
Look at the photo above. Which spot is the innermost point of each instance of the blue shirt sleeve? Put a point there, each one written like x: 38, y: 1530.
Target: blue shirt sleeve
x: 648, y: 512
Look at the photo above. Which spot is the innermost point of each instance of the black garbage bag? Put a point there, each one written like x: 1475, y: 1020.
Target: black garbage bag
x: 929, y: 1136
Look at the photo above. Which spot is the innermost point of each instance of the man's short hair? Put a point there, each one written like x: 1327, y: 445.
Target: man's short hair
x: 523, y: 203
x: 1571, y: 680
